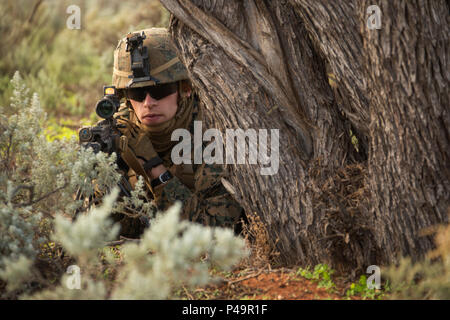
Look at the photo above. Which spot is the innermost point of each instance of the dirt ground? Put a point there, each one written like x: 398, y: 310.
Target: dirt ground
x: 268, y: 284
x: 256, y: 278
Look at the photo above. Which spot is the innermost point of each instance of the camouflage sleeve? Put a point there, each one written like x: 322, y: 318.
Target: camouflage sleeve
x: 209, y: 204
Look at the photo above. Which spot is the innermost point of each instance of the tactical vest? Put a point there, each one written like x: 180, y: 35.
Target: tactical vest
x: 184, y: 172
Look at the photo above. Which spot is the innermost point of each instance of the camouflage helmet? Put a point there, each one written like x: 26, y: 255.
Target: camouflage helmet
x: 164, y: 65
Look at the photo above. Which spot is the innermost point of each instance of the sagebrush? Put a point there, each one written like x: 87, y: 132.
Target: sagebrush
x: 38, y: 181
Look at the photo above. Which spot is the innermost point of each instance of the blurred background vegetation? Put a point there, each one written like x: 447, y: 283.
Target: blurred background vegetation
x: 67, y: 68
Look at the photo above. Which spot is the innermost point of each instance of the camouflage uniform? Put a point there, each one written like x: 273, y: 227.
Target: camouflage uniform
x: 199, y: 187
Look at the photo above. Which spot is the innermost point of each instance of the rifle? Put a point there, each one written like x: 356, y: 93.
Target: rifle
x: 106, y: 137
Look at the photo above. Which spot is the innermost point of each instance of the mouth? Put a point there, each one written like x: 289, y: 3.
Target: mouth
x: 152, y: 116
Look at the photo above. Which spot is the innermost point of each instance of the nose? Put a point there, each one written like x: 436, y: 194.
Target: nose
x: 149, y: 101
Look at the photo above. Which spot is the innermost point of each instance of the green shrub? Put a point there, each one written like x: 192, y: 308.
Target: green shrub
x: 67, y: 68
x: 38, y: 179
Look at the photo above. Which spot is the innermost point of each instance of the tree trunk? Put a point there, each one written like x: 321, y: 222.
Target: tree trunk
x: 263, y: 65
x: 406, y: 63
x: 407, y: 76
x: 334, y: 29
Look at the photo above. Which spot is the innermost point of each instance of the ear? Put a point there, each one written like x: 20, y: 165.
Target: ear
x: 187, y: 92
x: 186, y: 89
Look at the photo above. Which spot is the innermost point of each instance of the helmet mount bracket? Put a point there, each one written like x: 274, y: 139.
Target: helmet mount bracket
x: 139, y: 59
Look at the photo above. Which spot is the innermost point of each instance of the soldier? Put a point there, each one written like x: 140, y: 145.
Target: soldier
x: 159, y: 98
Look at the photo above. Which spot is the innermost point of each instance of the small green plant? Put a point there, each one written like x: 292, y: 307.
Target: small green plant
x: 355, y: 141
x: 55, y: 130
x: 360, y: 288
x: 321, y: 274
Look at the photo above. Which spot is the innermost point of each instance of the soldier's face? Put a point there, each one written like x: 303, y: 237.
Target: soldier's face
x: 152, y: 112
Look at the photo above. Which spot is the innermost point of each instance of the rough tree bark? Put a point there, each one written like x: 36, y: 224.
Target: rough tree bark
x: 407, y: 66
x: 334, y: 27
x: 262, y: 64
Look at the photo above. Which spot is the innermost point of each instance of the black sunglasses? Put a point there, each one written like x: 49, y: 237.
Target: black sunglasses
x: 156, y: 92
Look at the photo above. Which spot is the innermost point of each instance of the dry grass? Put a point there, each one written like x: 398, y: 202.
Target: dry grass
x: 428, y: 278
x: 263, y: 252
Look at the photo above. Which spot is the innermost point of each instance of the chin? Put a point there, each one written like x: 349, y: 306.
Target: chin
x: 154, y: 123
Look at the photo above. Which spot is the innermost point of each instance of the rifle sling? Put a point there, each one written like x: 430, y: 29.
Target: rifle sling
x: 130, y: 159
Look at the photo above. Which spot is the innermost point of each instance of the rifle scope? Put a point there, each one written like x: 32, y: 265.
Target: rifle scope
x: 109, y: 105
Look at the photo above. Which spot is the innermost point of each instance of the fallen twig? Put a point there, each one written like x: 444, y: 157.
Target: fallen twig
x: 245, y: 278
x: 122, y: 241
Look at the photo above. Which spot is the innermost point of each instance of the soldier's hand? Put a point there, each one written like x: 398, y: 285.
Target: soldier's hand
x: 142, y: 147
x: 146, y: 154
x: 140, y: 143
